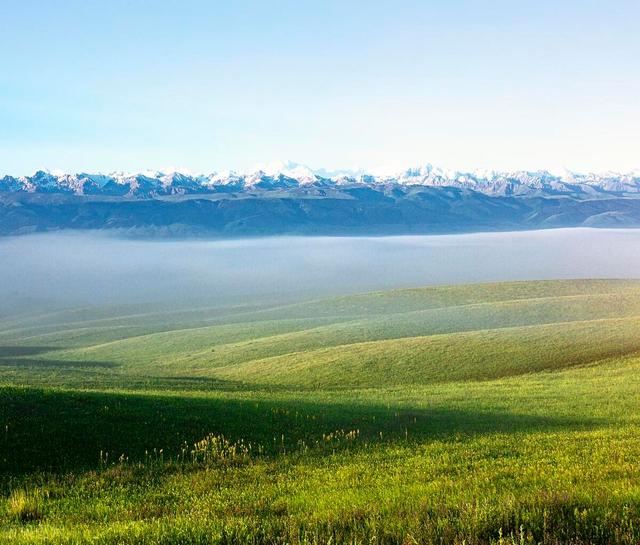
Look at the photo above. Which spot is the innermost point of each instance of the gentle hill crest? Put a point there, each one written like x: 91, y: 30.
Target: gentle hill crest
x: 404, y: 336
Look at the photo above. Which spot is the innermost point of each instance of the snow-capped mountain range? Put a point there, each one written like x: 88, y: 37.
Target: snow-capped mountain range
x: 283, y: 176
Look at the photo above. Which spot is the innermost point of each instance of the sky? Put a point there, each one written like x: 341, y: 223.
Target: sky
x: 207, y: 85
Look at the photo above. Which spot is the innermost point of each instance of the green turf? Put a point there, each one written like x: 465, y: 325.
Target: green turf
x: 465, y: 414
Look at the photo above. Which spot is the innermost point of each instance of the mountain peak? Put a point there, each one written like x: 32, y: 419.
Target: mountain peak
x: 290, y: 175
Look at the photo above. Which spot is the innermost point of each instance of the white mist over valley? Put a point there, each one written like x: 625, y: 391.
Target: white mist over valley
x: 72, y: 268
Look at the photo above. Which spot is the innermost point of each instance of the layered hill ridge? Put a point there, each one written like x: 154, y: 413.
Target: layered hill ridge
x: 403, y: 337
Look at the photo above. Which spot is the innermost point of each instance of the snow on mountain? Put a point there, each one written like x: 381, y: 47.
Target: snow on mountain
x: 290, y: 175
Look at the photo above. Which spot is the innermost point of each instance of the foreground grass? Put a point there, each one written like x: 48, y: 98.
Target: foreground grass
x: 529, y: 435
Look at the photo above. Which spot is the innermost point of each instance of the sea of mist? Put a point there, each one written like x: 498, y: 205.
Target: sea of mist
x: 79, y: 268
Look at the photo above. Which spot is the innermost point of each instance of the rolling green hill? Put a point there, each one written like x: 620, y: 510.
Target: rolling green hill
x: 452, y: 414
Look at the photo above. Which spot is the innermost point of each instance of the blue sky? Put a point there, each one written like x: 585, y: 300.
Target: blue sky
x: 205, y: 85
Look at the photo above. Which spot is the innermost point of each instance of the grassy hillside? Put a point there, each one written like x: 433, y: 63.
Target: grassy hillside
x: 478, y: 414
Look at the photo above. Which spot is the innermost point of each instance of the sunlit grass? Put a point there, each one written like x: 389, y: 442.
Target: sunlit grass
x: 478, y: 422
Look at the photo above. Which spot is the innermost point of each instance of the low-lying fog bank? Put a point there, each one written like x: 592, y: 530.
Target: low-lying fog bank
x: 70, y: 269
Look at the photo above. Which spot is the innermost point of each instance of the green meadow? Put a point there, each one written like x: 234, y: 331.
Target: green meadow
x: 485, y: 413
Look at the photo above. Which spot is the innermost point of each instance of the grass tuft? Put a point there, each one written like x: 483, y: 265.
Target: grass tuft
x: 25, y: 506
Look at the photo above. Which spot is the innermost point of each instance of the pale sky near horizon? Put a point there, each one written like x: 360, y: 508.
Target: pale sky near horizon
x: 132, y: 85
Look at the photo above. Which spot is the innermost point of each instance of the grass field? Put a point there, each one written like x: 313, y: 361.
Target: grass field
x: 487, y: 413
